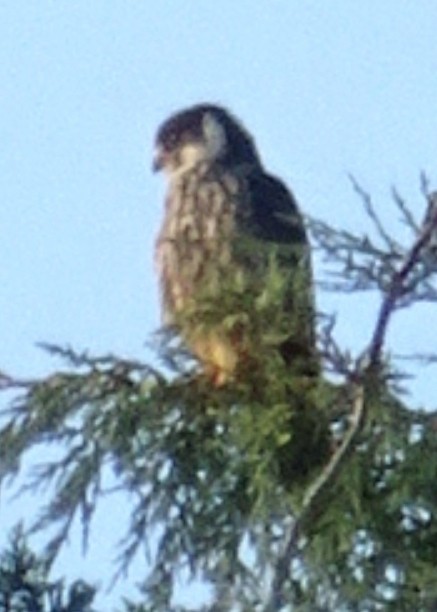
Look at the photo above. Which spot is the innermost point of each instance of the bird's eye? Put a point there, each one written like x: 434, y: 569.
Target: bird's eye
x: 171, y: 140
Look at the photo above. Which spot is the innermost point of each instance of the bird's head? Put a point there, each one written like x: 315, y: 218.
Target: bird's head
x: 202, y: 133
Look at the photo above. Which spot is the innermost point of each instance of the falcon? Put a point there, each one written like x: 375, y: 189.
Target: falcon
x: 232, y: 252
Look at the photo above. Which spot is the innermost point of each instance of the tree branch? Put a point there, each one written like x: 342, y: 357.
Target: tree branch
x: 358, y: 378
x: 398, y: 285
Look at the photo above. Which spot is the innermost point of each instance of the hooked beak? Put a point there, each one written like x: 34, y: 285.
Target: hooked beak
x: 159, y: 160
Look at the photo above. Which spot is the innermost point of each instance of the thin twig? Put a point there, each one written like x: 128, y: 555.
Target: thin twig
x: 422, y: 358
x: 408, y: 217
x: 367, y: 201
x: 8, y: 383
x: 397, y: 285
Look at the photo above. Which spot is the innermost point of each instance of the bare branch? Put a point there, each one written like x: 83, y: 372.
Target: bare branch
x: 407, y: 216
x: 370, y: 209
x: 399, y: 281
x: 423, y: 358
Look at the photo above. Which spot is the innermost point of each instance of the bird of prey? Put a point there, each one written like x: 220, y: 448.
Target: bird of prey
x: 232, y: 253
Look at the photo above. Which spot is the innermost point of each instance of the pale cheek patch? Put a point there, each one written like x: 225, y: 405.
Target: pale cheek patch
x: 188, y: 157
x: 215, y: 137
x: 191, y: 154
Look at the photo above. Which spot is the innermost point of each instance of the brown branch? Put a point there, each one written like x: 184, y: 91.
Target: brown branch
x: 310, y: 506
x: 398, y: 283
x: 370, y: 210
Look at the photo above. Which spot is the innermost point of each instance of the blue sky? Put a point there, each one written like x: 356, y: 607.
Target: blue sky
x: 326, y: 87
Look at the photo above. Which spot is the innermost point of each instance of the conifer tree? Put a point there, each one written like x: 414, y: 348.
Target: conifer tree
x: 279, y: 491
x: 25, y: 585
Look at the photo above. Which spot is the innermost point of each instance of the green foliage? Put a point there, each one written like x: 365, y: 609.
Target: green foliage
x: 375, y: 535
x: 259, y: 313
x: 201, y: 465
x: 25, y: 585
x: 282, y: 490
